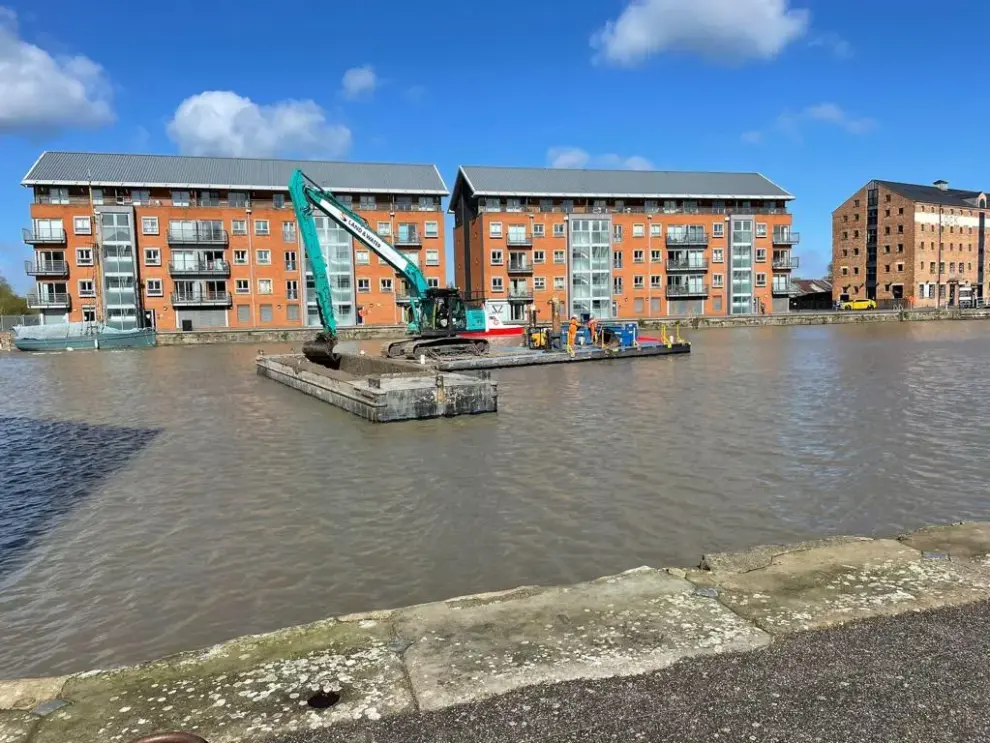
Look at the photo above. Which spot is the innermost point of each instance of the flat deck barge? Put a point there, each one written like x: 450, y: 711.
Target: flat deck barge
x: 506, y: 358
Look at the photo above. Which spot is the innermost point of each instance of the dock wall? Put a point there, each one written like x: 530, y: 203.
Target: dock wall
x: 432, y: 656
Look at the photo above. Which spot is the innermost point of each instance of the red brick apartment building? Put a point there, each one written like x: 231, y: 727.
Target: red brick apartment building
x: 924, y: 245
x: 628, y: 244
x: 200, y: 242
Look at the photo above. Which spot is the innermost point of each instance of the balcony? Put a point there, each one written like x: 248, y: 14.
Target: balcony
x: 199, y: 235
x: 46, y: 268
x: 520, y: 268
x: 48, y: 301
x: 788, y: 263
x: 781, y: 288
x: 687, y: 238
x: 408, y: 239
x: 521, y: 295
x: 687, y: 265
x: 43, y: 237
x: 519, y: 239
x: 786, y: 238
x: 199, y: 268
x: 201, y: 299
x: 685, y: 291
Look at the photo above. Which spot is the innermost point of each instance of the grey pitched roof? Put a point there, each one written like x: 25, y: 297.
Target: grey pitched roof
x: 933, y: 194
x: 657, y: 184
x: 142, y: 171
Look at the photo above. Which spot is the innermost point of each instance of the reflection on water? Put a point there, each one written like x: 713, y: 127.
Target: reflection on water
x: 255, y: 507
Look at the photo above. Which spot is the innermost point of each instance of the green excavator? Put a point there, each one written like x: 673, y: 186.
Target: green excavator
x: 439, y: 315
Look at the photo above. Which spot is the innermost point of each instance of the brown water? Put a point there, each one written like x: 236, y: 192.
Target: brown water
x: 168, y: 499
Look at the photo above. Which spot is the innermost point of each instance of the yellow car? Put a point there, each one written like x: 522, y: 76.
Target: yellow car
x: 859, y: 304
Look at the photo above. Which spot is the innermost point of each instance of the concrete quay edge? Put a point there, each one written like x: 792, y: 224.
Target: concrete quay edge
x: 436, y: 655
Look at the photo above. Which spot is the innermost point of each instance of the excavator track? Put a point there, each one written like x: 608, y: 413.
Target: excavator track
x: 437, y: 348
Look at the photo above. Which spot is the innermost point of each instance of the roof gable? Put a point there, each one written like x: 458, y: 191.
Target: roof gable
x: 935, y: 195
x: 142, y: 171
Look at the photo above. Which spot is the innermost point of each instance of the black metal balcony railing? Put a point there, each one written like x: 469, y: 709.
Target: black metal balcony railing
x: 786, y: 264
x: 201, y: 299
x: 520, y: 267
x: 786, y: 238
x: 408, y: 238
x: 686, y: 265
x: 198, y: 236
x: 46, y: 268
x: 199, y: 268
x: 48, y: 300
x: 521, y: 239
x: 687, y: 290
x: 520, y: 295
x: 43, y: 237
x: 687, y: 238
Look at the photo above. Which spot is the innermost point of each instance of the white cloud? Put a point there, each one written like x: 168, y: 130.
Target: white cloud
x: 220, y: 122
x: 575, y: 157
x: 359, y: 80
x: 793, y: 124
x: 839, y: 47
x: 725, y: 30
x: 42, y: 91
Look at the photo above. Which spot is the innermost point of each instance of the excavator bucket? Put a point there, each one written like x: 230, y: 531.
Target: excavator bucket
x: 322, y: 350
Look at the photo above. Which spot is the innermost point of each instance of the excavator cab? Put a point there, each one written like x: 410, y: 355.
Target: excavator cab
x: 442, y: 313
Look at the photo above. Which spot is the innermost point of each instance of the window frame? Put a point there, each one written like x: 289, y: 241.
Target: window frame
x: 259, y: 261
x: 151, y: 291
x: 155, y: 261
x: 262, y: 228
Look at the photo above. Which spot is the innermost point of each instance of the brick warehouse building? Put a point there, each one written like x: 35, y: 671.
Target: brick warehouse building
x: 174, y: 242
x: 628, y: 244
x: 924, y: 245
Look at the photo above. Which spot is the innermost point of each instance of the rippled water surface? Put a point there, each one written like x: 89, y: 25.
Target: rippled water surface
x: 161, y: 500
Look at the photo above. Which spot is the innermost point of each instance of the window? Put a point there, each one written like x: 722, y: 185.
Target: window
x: 856, y: 270
x: 900, y: 228
x: 886, y: 248
x: 261, y: 227
x: 149, y: 225
x: 718, y: 229
x: 900, y: 210
x: 432, y: 257
x: 656, y: 256
x: 278, y: 200
x: 152, y: 257
x: 656, y: 282
x: 496, y: 257
x: 952, y: 268
x: 495, y: 229
x: 558, y: 256
x: 431, y: 229
x: 240, y: 257
x: 617, y: 232
x: 656, y: 230
x: 558, y: 282
x: 717, y: 279
x: 887, y: 213
x: 513, y: 205
x: 87, y: 288
x: 385, y: 285
x: 886, y: 230
x: 539, y: 283
x: 97, y: 196
x: 559, y: 229
x: 242, y: 286
x: 84, y: 256
x: 238, y: 226
x: 290, y: 260
x: 497, y: 284
x: 264, y: 286
x: 384, y: 229
x: 263, y: 257
x: 154, y: 287
x: 856, y: 202
x: 617, y: 285
x: 639, y: 256
x: 140, y: 196
x: 362, y: 257
x: 89, y: 314
x: 639, y: 230
x: 292, y: 313
x: 761, y: 279
x: 617, y: 259
x: 82, y: 226
x: 761, y: 255
x: 539, y: 229
x: 639, y: 282
x: 180, y: 198
x: 845, y: 270
x: 292, y: 289
x: 718, y: 255
x: 900, y: 247
x: 845, y: 235
x: 364, y: 285
x: 886, y: 268
x: 433, y: 282
x: 900, y: 266
x: 237, y: 198
x: 539, y: 256
x: 265, y: 313
x: 288, y: 232
x: 761, y: 229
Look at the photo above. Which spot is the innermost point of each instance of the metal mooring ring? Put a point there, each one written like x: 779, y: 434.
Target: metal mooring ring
x: 171, y: 738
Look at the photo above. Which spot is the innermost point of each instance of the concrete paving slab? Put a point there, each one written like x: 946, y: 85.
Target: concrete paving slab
x: 245, y: 689
x: 822, y: 584
x: 24, y: 694
x: 960, y: 541
x: 16, y: 727
x: 464, y: 650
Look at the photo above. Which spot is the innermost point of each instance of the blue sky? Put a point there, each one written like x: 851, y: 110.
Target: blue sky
x: 818, y: 95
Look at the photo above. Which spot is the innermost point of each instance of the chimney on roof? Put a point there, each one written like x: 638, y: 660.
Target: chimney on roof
x: 942, y: 185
